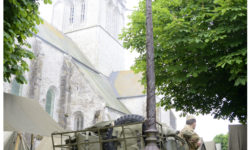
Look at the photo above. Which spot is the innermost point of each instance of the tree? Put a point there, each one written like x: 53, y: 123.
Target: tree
x: 223, y: 139
x: 200, y: 55
x: 20, y: 20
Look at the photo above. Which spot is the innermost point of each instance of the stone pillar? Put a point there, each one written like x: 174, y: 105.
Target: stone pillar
x: 65, y: 93
x: 35, y: 75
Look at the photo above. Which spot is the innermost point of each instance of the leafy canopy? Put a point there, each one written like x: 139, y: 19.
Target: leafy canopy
x: 200, y: 54
x: 223, y: 139
x: 20, y: 20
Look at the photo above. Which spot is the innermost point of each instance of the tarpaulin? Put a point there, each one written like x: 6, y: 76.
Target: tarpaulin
x: 26, y: 115
x: 13, y: 140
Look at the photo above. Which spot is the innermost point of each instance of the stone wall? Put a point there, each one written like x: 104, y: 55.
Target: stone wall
x: 94, y: 37
x: 112, y: 114
x: 83, y: 98
x: 136, y: 105
x: 86, y: 40
x: 35, y: 74
x: 61, y: 14
x: 103, y: 51
x: 73, y: 91
x: 50, y: 74
x: 110, y: 53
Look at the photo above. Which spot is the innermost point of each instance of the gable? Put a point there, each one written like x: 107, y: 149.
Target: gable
x: 55, y: 38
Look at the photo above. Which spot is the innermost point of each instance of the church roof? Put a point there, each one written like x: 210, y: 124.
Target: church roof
x: 52, y: 36
x: 126, y: 84
x: 64, y: 43
x: 101, y: 83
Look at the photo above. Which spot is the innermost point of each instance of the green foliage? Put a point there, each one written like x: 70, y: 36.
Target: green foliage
x: 223, y: 139
x: 200, y: 54
x: 20, y: 20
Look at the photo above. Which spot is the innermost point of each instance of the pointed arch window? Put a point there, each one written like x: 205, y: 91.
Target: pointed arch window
x: 78, y: 121
x: 112, y: 20
x: 71, y: 17
x: 82, y: 11
x: 109, y: 17
x: 50, y: 97
x: 16, y: 88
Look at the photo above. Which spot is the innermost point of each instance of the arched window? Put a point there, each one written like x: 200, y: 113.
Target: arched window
x: 71, y: 16
x: 78, y: 121
x: 112, y: 19
x: 82, y: 11
x: 16, y: 88
x: 50, y: 97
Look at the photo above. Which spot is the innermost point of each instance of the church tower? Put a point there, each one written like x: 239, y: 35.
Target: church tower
x: 94, y: 25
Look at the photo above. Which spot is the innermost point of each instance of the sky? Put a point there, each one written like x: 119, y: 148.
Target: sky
x: 207, y: 127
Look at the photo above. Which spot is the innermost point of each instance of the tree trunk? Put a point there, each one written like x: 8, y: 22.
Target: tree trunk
x: 151, y: 104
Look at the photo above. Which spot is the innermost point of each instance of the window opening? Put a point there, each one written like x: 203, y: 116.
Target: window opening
x: 78, y: 122
x: 82, y: 11
x: 50, y: 102
x: 16, y: 88
x: 71, y: 18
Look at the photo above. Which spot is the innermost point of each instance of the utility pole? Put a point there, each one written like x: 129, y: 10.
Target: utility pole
x: 151, y: 130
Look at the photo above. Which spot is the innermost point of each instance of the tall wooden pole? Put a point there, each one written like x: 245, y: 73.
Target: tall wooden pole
x: 151, y: 104
x: 31, y: 141
x: 17, y: 141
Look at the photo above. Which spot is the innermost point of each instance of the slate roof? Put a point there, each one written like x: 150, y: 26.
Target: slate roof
x: 49, y: 34
x: 126, y: 84
x: 58, y: 39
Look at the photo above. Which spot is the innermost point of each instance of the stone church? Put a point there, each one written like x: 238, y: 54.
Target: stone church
x: 78, y: 75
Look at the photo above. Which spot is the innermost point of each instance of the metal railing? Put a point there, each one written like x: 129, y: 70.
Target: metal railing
x: 100, y: 139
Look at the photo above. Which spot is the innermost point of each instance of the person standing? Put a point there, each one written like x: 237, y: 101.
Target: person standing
x: 187, y: 133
